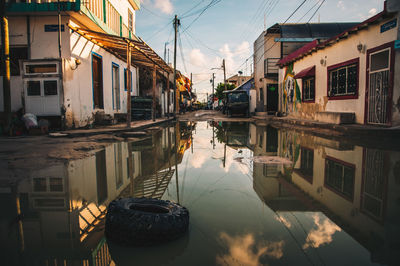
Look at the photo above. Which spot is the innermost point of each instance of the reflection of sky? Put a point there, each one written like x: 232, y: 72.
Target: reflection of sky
x: 244, y: 250
x: 323, y: 232
x: 231, y: 225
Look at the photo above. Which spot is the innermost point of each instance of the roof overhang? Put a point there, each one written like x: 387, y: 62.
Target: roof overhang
x: 135, y: 4
x: 141, y: 54
x: 308, y: 72
x: 294, y: 39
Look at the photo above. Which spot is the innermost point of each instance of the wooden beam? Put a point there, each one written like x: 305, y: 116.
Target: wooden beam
x: 128, y: 86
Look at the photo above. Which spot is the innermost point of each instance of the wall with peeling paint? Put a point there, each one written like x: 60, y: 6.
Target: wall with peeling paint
x: 344, y: 50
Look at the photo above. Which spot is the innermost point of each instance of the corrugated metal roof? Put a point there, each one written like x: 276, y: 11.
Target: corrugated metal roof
x: 314, y: 30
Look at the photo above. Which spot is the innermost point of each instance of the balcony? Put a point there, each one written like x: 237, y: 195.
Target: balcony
x: 271, y: 69
x: 101, y: 13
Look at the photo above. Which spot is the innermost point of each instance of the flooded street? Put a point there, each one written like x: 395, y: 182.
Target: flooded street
x: 257, y: 195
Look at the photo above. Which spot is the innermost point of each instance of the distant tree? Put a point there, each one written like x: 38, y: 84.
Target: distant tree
x: 220, y: 88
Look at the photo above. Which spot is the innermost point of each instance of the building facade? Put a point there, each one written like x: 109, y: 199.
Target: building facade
x: 59, y: 72
x: 350, y: 78
x: 277, y: 42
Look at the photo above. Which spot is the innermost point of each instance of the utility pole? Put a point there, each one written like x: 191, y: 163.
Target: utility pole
x: 191, y: 85
x: 176, y: 24
x: 165, y: 51
x: 5, y: 55
x: 212, y: 81
x: 223, y: 65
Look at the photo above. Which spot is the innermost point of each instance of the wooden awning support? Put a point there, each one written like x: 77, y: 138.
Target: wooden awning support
x: 154, y: 91
x: 133, y: 51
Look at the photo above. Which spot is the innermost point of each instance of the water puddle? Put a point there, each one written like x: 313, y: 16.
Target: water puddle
x: 257, y: 195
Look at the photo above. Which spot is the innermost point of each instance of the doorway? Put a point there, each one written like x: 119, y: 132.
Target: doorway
x: 272, y: 98
x: 97, y: 77
x: 379, y: 88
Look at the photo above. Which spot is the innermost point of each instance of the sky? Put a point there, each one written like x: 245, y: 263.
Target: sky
x: 228, y: 28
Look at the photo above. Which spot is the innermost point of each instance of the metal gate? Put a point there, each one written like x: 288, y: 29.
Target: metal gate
x: 378, y: 91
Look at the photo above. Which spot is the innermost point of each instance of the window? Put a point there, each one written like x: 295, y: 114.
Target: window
x: 309, y: 89
x: 33, y: 88
x: 56, y: 184
x: 339, y: 177
x: 50, y: 87
x: 307, y: 164
x: 126, y: 85
x: 115, y: 87
x: 39, y: 184
x: 343, y: 80
x: 130, y: 20
x: 41, y: 69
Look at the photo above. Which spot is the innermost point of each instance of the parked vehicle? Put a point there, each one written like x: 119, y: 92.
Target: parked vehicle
x: 236, y: 102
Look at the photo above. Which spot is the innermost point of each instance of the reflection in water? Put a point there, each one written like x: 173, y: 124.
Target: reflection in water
x: 321, y: 235
x: 244, y: 250
x: 332, y: 198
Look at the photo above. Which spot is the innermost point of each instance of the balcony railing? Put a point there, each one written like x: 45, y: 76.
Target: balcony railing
x: 271, y: 69
x: 102, y: 12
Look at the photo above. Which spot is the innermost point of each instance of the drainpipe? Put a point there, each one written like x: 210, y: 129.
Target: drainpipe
x: 59, y: 29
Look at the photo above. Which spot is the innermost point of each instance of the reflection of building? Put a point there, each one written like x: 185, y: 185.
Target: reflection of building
x: 60, y: 209
x: 352, y: 186
x: 56, y: 214
x: 356, y: 187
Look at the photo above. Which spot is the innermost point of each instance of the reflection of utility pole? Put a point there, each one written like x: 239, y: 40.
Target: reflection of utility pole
x: 212, y: 81
x: 213, y: 140
x: 224, y: 154
x: 176, y: 159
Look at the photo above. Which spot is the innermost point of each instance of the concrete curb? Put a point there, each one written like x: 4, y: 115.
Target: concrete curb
x: 99, y: 131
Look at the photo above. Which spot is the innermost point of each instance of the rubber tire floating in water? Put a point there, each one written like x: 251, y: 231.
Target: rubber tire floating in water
x: 143, y: 221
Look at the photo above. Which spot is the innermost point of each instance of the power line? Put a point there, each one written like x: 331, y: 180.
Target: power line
x: 308, y: 11
x: 212, y: 3
x: 156, y: 33
x: 181, y: 51
x: 154, y: 14
x: 316, y: 11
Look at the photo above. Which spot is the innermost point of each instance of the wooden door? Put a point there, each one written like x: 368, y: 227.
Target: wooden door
x: 97, y: 76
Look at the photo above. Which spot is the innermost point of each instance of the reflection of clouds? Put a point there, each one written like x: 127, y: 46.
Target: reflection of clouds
x: 322, y: 234
x: 244, y: 251
x: 283, y: 220
x: 198, y: 160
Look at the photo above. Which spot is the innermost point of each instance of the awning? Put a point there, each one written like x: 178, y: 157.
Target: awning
x: 310, y: 71
x: 142, y: 54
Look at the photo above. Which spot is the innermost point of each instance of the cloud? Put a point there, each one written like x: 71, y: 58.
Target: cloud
x: 372, y: 12
x: 322, y: 234
x: 164, y: 5
x: 197, y: 58
x: 243, y: 250
x: 243, y: 49
x: 341, y: 5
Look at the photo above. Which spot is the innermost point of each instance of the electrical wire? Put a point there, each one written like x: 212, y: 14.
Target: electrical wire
x: 308, y: 11
x: 316, y: 11
x: 212, y: 3
x: 158, y: 32
x: 151, y: 12
x: 181, y: 51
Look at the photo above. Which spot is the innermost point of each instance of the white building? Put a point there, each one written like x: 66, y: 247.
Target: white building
x: 277, y: 42
x: 352, y: 77
x: 72, y: 79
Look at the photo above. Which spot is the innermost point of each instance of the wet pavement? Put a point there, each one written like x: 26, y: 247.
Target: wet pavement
x: 257, y: 195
